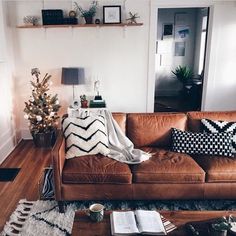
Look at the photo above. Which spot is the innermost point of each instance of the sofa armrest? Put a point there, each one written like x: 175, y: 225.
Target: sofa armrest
x: 58, y: 160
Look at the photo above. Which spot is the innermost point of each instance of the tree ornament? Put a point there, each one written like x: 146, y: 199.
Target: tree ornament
x: 39, y: 118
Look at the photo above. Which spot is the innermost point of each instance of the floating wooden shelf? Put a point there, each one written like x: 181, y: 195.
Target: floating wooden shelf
x: 76, y: 26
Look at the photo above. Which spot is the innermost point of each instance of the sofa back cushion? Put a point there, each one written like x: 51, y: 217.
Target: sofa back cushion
x: 194, y: 118
x: 120, y: 118
x: 154, y: 129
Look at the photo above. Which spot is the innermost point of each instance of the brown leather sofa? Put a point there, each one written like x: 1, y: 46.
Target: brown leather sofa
x: 167, y: 175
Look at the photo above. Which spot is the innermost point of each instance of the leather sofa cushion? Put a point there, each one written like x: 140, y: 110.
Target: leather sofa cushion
x: 95, y: 169
x: 194, y: 118
x: 120, y: 118
x: 167, y: 167
x: 154, y: 129
x: 218, y: 168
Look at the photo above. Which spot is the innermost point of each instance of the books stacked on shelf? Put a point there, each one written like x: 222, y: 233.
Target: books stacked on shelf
x: 97, y: 103
x: 139, y: 222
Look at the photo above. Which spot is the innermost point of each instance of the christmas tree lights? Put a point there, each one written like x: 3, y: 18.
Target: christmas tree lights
x: 41, y: 109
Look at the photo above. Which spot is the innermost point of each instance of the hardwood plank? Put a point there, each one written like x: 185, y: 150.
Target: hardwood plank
x: 32, y: 161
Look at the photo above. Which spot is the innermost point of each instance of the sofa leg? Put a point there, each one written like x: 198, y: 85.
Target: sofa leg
x: 61, y: 206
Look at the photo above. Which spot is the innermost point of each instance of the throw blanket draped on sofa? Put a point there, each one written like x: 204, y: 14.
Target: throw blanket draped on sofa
x: 121, y: 148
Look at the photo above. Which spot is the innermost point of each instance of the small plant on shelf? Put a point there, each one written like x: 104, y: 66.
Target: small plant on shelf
x: 87, y: 14
x: 84, y: 101
x: 41, y: 110
x: 132, y: 18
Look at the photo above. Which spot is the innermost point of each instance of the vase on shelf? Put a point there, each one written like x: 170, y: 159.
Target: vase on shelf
x: 84, y: 104
x: 88, y: 19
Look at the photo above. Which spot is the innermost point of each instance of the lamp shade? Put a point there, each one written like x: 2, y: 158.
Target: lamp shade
x: 72, y: 75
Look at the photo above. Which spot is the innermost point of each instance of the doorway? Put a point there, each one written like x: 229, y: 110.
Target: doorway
x: 180, y: 58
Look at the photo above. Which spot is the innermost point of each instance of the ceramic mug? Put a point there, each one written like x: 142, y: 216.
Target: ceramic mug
x: 96, y: 212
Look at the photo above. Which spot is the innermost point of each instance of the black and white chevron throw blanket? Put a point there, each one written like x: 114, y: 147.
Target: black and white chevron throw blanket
x: 93, y: 132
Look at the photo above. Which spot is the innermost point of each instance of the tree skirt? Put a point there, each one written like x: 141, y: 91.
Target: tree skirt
x: 42, y: 217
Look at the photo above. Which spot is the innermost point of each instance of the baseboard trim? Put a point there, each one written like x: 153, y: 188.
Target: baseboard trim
x: 26, y: 135
x: 7, y: 148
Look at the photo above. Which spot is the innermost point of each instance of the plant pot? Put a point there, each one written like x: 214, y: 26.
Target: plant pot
x: 44, y: 140
x: 88, y: 19
x: 84, y: 104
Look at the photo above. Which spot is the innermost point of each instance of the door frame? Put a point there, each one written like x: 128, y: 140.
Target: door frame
x: 153, y: 21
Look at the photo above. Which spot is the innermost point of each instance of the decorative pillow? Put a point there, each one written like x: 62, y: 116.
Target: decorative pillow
x: 85, y: 136
x: 217, y: 126
x: 202, y: 143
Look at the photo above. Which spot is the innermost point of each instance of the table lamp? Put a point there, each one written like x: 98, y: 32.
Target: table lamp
x: 72, y: 76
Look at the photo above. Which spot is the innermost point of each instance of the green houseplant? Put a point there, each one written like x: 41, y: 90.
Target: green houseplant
x: 87, y: 14
x: 183, y: 74
x: 84, y: 101
x: 41, y: 111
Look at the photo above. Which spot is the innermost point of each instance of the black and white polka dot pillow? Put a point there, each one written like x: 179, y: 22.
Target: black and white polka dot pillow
x: 202, y: 143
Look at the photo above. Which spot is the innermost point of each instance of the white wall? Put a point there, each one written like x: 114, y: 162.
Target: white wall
x: 8, y: 134
x: 2, y: 41
x: 220, y: 90
x: 121, y: 59
x: 119, y: 56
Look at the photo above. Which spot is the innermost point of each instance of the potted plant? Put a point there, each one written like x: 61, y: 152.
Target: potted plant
x: 87, y: 14
x: 41, y: 111
x: 183, y: 74
x: 83, y: 101
x: 220, y: 228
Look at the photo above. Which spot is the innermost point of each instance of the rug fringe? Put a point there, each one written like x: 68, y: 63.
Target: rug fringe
x: 19, y: 217
x: 13, y: 226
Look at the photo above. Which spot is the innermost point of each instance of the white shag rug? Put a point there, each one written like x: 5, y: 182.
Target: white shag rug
x: 39, y: 218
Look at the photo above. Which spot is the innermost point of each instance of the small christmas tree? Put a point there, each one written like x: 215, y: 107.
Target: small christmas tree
x: 41, y: 109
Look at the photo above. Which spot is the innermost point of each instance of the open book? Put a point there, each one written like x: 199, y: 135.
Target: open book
x: 137, y: 222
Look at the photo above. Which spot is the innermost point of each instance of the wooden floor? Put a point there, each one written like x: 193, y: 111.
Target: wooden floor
x: 31, y: 160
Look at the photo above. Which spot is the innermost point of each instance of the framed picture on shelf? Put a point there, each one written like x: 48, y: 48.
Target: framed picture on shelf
x: 112, y: 14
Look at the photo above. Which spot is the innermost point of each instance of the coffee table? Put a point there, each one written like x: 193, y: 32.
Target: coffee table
x: 83, y: 226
